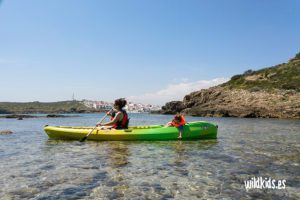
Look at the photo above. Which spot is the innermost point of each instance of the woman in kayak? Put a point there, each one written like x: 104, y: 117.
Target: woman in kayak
x: 120, y: 119
x: 178, y: 122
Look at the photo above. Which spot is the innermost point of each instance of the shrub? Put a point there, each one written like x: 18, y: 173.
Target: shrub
x: 289, y: 86
x: 254, y: 89
x: 248, y: 72
x: 236, y: 77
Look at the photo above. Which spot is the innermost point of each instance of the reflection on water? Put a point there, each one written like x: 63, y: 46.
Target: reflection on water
x: 32, y: 166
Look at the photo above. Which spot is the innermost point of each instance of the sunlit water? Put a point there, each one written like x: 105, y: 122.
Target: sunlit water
x: 34, y: 167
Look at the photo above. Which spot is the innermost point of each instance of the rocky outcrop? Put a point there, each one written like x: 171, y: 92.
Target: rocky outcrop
x: 60, y: 107
x: 20, y: 117
x: 242, y: 103
x: 221, y: 102
x: 268, y: 93
x: 60, y: 116
x: 5, y: 132
x: 173, y: 107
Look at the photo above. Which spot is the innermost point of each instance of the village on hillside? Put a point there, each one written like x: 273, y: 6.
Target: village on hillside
x: 131, y: 107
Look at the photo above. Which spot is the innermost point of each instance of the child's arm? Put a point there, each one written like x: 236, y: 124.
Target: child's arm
x: 169, y: 124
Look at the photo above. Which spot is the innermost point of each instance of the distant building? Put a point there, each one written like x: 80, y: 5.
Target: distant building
x: 130, y: 107
x: 141, y: 108
x: 99, y: 105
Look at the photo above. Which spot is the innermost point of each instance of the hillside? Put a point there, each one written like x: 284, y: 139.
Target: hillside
x: 272, y: 92
x: 39, y: 107
x: 284, y: 76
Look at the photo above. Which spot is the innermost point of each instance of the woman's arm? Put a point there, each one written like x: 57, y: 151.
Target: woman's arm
x: 117, y: 118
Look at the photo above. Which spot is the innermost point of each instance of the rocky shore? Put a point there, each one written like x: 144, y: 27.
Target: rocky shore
x: 5, y: 132
x: 268, y: 93
x: 220, y: 102
x: 35, y: 116
x: 60, y: 107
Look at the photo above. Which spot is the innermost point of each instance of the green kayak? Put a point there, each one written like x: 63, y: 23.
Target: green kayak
x: 192, y: 131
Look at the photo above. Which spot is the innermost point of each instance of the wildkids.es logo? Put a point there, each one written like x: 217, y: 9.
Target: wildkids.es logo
x: 264, y: 183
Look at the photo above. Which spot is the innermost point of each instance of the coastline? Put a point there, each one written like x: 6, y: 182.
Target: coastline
x: 21, y: 116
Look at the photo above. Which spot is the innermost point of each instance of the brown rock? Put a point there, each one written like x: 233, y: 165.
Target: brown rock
x: 242, y: 103
x: 5, y: 132
x: 173, y: 107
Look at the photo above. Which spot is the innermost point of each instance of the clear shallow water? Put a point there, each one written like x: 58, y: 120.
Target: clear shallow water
x: 34, y: 167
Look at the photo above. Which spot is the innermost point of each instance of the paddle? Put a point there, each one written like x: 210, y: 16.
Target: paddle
x: 83, y: 139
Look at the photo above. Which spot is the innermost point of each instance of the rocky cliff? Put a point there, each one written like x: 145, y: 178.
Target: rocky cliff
x: 272, y: 92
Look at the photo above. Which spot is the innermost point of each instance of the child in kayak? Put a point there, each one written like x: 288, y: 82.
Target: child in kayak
x: 178, y: 121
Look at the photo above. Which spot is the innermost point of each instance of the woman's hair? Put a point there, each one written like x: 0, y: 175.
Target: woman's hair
x: 120, y: 102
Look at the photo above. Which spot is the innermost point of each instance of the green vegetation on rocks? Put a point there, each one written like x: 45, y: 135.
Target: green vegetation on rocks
x: 40, y: 107
x: 283, y: 77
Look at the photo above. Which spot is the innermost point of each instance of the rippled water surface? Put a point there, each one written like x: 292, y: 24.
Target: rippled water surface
x: 34, y: 167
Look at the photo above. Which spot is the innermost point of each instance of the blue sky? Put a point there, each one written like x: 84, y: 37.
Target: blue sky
x: 149, y: 51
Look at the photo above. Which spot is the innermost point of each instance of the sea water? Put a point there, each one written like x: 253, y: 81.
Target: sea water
x: 34, y: 167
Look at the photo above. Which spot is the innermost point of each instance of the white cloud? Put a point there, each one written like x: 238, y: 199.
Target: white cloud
x: 176, y: 91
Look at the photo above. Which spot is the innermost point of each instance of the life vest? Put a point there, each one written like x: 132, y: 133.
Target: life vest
x: 123, y: 124
x: 113, y: 114
x: 181, y: 123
